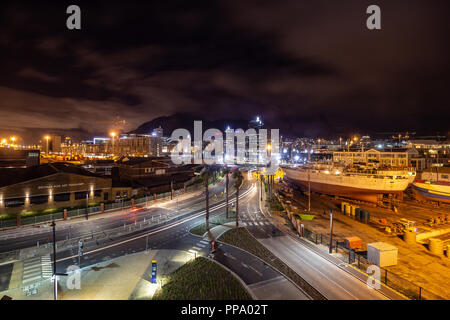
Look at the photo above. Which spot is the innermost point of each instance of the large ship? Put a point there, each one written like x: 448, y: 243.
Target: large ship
x: 372, y: 185
x: 433, y: 185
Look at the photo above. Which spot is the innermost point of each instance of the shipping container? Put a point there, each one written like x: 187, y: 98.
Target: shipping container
x: 382, y: 254
x: 353, y: 243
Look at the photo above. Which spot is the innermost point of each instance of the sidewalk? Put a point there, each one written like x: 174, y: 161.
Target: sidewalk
x: 217, y: 231
x: 277, y: 288
x: 124, y: 278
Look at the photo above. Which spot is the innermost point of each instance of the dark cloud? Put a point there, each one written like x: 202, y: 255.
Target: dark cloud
x: 311, y: 67
x: 35, y: 74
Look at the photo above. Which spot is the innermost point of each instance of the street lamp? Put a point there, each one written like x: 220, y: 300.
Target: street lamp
x: 55, y: 273
x: 46, y: 149
x: 113, y: 134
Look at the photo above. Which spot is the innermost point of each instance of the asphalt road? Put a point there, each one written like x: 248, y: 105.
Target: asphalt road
x: 330, y: 280
x: 86, y: 228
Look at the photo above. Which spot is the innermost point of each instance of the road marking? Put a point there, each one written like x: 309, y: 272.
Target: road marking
x: 219, y: 206
x: 32, y: 269
x: 260, y: 274
x: 47, y: 270
x: 228, y: 255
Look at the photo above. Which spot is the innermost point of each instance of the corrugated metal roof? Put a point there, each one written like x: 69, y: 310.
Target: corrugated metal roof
x: 10, y: 176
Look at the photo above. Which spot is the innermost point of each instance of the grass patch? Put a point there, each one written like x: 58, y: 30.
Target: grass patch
x: 202, y: 279
x: 243, y: 239
x: 213, y: 222
x: 275, y: 205
x: 306, y: 217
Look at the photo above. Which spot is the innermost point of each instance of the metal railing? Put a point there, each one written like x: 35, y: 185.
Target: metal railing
x: 94, y: 239
x: 359, y: 261
x: 9, y: 223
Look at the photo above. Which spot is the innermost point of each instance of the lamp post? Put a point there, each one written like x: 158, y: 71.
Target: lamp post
x: 331, y: 233
x: 113, y: 134
x: 269, y: 148
x: 55, y: 274
x: 87, y: 206
x: 46, y: 149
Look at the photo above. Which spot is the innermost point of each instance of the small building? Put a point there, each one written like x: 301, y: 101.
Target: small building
x: 436, y: 174
x: 11, y: 158
x: 400, y: 157
x: 382, y: 254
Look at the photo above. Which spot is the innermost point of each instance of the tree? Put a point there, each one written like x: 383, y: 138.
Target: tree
x: 238, y: 178
x: 227, y: 181
x: 205, y: 176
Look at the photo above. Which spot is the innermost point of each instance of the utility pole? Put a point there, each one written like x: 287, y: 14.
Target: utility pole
x: 261, y: 185
x: 331, y: 233
x: 87, y: 205
x: 309, y: 192
x: 226, y: 187
x: 171, y: 189
x: 55, y: 274
x: 55, y: 278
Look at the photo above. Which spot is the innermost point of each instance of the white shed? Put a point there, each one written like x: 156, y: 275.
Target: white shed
x: 382, y: 254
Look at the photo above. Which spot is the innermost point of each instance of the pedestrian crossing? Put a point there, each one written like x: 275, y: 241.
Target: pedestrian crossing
x: 199, y: 246
x: 32, y: 269
x: 47, y: 270
x: 255, y: 224
x: 37, y: 268
x: 253, y: 220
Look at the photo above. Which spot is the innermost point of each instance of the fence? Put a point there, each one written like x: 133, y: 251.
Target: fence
x: 359, y: 261
x: 9, y: 223
x: 91, y: 240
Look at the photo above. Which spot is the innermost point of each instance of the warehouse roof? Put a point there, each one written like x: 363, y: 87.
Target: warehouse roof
x: 10, y: 176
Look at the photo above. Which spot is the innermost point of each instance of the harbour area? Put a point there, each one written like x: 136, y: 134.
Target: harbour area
x: 418, y: 260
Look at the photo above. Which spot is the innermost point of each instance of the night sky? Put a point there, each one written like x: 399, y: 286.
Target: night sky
x: 309, y: 67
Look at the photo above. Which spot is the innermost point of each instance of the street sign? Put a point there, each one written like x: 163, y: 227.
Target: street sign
x: 154, y: 271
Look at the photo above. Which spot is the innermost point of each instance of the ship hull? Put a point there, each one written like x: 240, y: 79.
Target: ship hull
x: 350, y: 190
x: 431, y: 192
x: 374, y: 196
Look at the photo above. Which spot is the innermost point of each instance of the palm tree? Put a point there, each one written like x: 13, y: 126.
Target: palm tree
x: 227, y: 181
x: 205, y: 176
x: 238, y: 178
